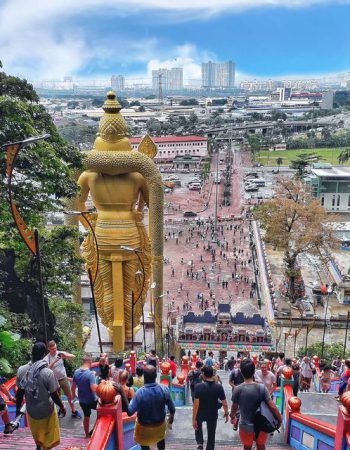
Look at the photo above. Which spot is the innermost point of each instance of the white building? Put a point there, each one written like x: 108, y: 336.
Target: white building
x: 171, y: 146
x: 171, y: 79
x: 118, y: 83
x: 327, y: 100
x: 331, y: 185
x: 218, y: 75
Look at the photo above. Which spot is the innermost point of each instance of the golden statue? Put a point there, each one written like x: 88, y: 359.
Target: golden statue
x: 121, y: 182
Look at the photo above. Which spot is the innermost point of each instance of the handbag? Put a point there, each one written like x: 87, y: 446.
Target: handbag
x: 264, y: 419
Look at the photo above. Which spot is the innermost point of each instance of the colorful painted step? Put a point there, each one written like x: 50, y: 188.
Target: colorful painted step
x: 22, y: 439
x: 188, y: 444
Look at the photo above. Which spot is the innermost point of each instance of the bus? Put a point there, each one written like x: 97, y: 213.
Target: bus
x: 259, y: 181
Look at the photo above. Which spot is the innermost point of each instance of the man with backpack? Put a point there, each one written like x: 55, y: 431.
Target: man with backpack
x: 210, y: 361
x: 249, y: 397
x: 195, y: 377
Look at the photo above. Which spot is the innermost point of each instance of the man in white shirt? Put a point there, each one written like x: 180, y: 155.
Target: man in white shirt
x: 55, y: 361
x: 266, y: 377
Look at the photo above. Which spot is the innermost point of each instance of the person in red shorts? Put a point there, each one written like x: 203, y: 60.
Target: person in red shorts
x: 247, y: 397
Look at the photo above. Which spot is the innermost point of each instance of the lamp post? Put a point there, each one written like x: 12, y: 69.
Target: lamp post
x: 346, y: 333
x: 30, y: 238
x: 84, y: 215
x: 161, y: 324
x: 137, y: 251
x: 326, y: 290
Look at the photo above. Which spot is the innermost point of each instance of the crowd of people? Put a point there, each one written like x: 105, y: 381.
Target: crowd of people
x: 214, y: 273
x: 253, y: 381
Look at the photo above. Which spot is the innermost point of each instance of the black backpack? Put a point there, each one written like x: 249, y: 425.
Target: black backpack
x: 264, y: 419
x: 196, y: 378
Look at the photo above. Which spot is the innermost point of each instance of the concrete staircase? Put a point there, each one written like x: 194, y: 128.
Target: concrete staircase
x: 22, y: 439
x: 188, y: 444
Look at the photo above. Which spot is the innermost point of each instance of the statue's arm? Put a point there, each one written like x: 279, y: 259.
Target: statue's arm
x: 83, y: 183
x: 144, y: 192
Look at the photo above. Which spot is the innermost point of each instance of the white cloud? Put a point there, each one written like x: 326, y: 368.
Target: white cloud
x: 37, y: 42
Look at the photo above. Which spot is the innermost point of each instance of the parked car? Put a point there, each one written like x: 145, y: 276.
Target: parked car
x: 251, y: 188
x: 190, y: 214
x: 195, y: 187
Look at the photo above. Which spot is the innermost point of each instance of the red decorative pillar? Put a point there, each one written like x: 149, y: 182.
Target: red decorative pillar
x: 132, y: 362
x: 343, y: 422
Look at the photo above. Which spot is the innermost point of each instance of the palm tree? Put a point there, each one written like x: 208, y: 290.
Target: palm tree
x: 279, y: 162
x: 344, y: 156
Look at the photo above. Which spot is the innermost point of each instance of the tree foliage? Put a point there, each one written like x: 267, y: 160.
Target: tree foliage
x: 295, y: 223
x: 344, y: 156
x: 43, y: 178
x: 14, y: 350
x: 302, y: 162
x: 330, y: 351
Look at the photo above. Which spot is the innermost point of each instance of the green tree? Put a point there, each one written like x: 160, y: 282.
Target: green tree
x: 344, y: 156
x: 330, y: 351
x: 295, y: 223
x: 14, y: 350
x: 302, y: 162
x: 189, y: 102
x: 279, y: 162
x: 43, y: 178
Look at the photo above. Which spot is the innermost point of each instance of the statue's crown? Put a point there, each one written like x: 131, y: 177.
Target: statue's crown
x: 113, y: 130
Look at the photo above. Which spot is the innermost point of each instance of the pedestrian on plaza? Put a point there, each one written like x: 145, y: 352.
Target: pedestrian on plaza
x: 266, y: 377
x: 209, y: 397
x: 150, y: 403
x: 210, y: 361
x: 85, y: 380
x: 125, y: 385
x: 235, y: 379
x: 55, y: 359
x: 195, y: 376
x: 173, y: 366
x: 104, y: 367
x: 116, y: 370
x: 248, y: 397
x: 39, y: 385
x: 326, y: 378
x: 138, y: 380
x: 337, y: 363
x: 152, y: 359
x: 9, y: 427
x: 344, y: 379
x: 296, y: 379
x: 307, y: 370
x: 280, y: 361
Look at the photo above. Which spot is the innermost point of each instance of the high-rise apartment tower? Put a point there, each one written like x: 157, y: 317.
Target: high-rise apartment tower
x: 218, y: 75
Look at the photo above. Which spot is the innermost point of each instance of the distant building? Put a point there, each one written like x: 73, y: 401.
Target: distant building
x: 331, y: 185
x: 278, y: 147
x: 117, y: 83
x: 282, y: 94
x: 171, y: 79
x: 218, y: 75
x: 171, y: 146
x: 327, y: 100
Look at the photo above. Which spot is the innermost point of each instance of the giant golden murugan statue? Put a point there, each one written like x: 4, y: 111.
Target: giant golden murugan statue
x: 120, y: 182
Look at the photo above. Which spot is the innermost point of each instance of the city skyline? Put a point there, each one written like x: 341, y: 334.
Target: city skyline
x: 96, y: 39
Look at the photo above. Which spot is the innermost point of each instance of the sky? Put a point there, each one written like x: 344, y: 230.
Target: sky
x: 93, y: 39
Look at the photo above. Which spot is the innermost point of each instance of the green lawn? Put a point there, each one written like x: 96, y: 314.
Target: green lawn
x: 329, y: 155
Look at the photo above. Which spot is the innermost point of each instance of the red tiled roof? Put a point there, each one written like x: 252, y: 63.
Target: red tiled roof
x: 164, y: 139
